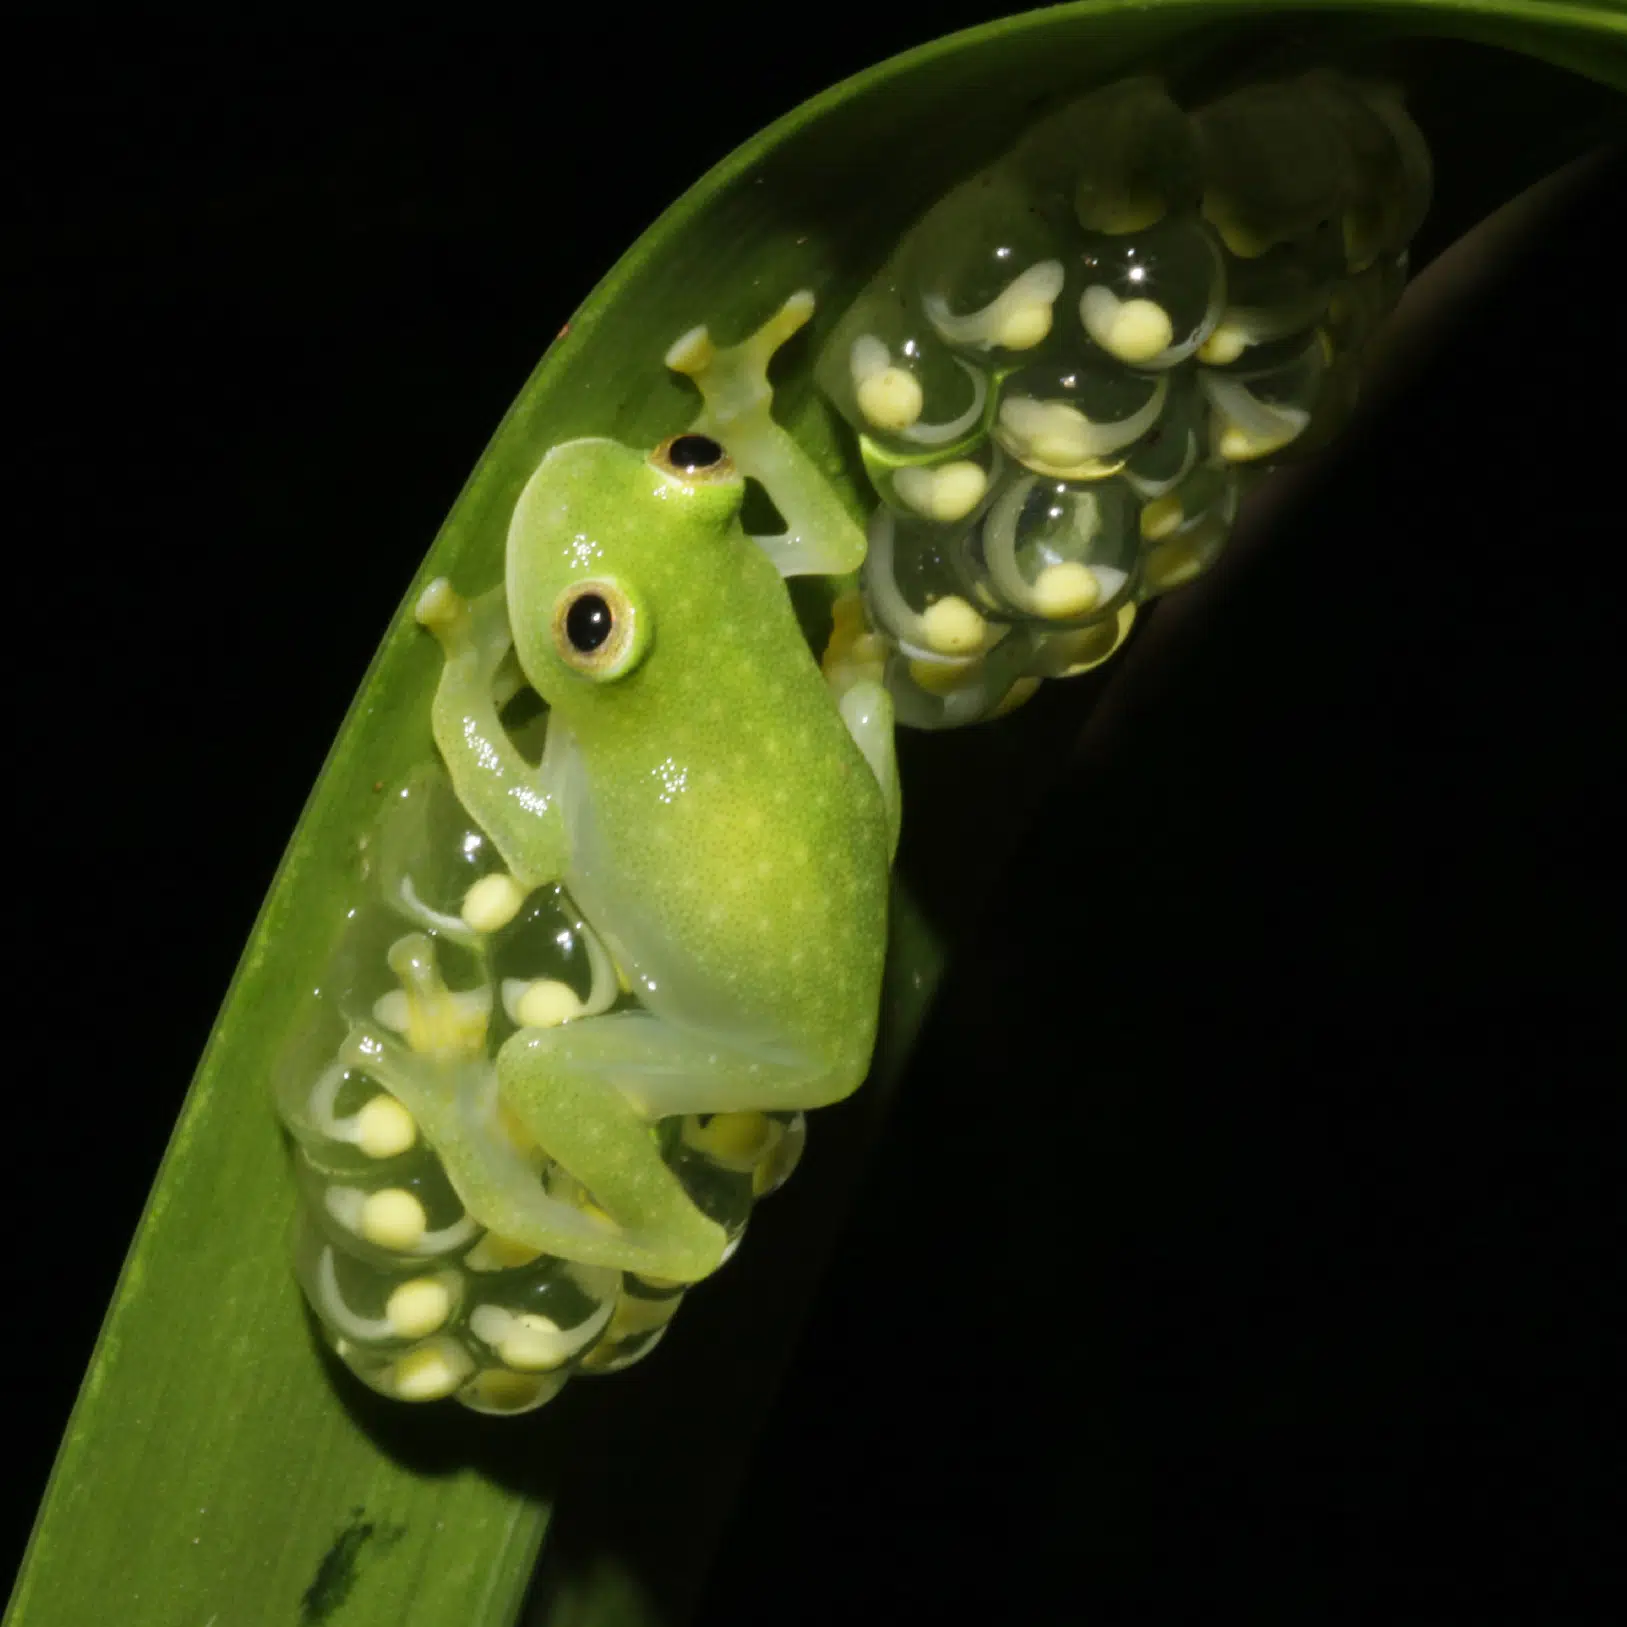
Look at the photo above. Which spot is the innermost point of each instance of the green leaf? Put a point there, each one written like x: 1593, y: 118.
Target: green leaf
x: 216, y: 1466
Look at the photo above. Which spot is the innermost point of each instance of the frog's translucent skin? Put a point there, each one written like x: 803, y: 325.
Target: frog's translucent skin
x: 1160, y: 303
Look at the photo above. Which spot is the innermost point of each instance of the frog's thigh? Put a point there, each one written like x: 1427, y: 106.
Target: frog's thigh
x: 659, y: 1069
x: 867, y: 710
x: 588, y: 1094
x: 454, y: 1102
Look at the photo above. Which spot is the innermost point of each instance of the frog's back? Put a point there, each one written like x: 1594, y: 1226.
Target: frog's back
x: 732, y: 836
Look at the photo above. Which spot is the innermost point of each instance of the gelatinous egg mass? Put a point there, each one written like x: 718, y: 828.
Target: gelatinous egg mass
x: 1068, y: 369
x: 445, y: 959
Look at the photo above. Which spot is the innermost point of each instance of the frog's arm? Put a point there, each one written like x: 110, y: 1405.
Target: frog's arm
x: 867, y: 710
x: 507, y: 798
x: 820, y: 538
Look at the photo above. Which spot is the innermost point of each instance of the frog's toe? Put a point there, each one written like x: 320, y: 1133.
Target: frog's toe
x: 737, y: 376
x: 792, y: 316
x: 440, y: 608
x: 691, y: 353
x: 440, y: 604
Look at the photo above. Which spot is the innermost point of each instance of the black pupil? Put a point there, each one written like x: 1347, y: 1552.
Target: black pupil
x: 695, y: 452
x: 588, y: 623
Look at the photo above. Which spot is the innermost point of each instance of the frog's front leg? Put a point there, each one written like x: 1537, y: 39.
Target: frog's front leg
x: 507, y: 798
x: 867, y: 710
x: 590, y: 1093
x: 821, y: 538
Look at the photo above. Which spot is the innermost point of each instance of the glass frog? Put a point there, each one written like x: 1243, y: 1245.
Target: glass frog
x: 723, y: 821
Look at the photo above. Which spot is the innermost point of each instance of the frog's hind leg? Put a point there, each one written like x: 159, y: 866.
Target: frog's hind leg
x: 439, y: 1071
x: 455, y: 1103
x: 589, y: 1094
x: 821, y: 538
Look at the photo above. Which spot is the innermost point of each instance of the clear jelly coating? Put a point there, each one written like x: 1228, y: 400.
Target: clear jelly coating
x: 1081, y: 355
x: 1060, y: 551
x: 445, y: 956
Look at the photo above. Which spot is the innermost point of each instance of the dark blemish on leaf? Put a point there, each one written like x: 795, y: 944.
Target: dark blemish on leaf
x: 336, y: 1574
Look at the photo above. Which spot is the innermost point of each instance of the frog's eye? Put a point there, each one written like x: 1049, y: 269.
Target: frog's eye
x: 693, y: 458
x: 598, y: 630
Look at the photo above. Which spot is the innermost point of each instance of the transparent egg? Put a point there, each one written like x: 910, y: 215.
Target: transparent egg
x: 1357, y: 305
x: 1124, y: 156
x: 1408, y: 187
x: 896, y: 382
x: 1070, y: 653
x: 1274, y: 167
x: 916, y: 590
x: 424, y: 854
x: 403, y: 1212
x: 1060, y: 552
x: 944, y: 491
x: 1078, y: 418
x: 1388, y: 171
x: 643, y: 1311
x: 717, y: 1187
x: 778, y: 1165
x: 1176, y: 444
x: 986, y: 265
x: 932, y: 695
x: 381, y: 1310
x: 1257, y: 411
x: 503, y: 1393
x: 549, y: 966
x: 1183, y: 532
x: 306, y: 1082
x: 345, y: 1123
x: 431, y: 1370
x: 1357, y: 308
x: 1151, y: 298
x: 540, y: 1319
x: 1338, y: 393
x: 1276, y: 298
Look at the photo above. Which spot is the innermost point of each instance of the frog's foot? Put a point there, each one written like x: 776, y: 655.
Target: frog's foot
x: 589, y: 1094
x: 821, y: 537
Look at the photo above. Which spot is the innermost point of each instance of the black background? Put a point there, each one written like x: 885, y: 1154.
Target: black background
x: 1249, y: 1231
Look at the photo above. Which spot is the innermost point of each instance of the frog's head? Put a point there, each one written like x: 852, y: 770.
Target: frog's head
x: 611, y: 552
